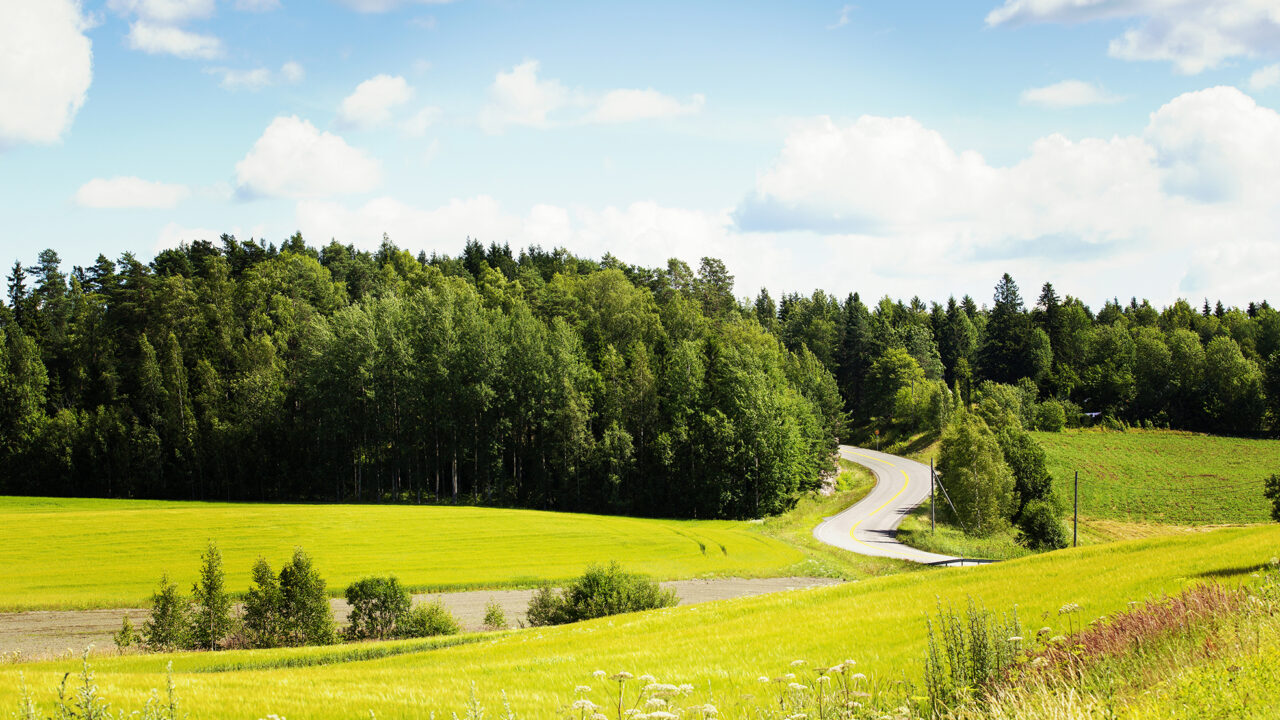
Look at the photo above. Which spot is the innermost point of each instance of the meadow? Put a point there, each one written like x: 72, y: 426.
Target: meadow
x: 1163, y: 476
x: 77, y: 553
x: 721, y: 648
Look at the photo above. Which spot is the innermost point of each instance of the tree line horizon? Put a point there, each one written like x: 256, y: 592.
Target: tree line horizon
x: 246, y: 371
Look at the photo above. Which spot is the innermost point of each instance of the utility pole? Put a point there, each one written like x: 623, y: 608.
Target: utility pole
x: 933, y: 507
x: 1075, y: 519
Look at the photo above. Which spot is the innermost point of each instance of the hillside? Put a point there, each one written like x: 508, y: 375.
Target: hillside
x: 1163, y: 476
x: 722, y: 647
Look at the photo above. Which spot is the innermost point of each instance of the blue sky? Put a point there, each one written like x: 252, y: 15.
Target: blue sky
x: 1113, y: 147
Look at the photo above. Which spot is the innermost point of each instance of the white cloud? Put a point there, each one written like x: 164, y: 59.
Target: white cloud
x: 373, y: 102
x: 417, y: 125
x: 619, y: 106
x: 1265, y: 78
x: 168, y: 12
x: 381, y: 6
x: 257, y: 78
x: 294, y: 159
x: 292, y: 72
x: 1068, y: 94
x: 1193, y: 35
x: 129, y: 192
x: 46, y: 66
x: 166, y: 39
x: 1200, y: 175
x: 257, y: 5
x: 843, y: 19
x: 518, y: 97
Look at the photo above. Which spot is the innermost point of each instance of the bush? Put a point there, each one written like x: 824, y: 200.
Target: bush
x: 127, y: 636
x: 1051, y: 416
x: 1040, y: 526
x: 494, y: 617
x: 167, y: 627
x: 377, y: 605
x: 428, y: 620
x: 1271, y: 491
x: 601, y: 591
x: 262, y: 628
x: 305, y: 615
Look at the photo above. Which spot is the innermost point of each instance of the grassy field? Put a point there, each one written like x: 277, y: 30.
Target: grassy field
x: 718, y: 647
x: 1162, y: 476
x: 61, y: 554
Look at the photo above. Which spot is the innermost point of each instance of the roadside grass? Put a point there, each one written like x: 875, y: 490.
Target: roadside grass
x: 795, y: 528
x: 720, y: 648
x: 950, y: 538
x: 87, y: 553
x: 1163, y: 476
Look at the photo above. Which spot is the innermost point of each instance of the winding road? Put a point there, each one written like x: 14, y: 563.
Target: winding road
x: 869, y: 526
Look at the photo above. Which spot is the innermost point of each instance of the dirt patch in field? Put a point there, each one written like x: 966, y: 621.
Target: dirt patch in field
x: 65, y: 633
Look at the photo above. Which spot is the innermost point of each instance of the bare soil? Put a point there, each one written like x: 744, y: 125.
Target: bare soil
x: 65, y: 633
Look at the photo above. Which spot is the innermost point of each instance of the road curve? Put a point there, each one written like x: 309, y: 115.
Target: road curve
x: 869, y: 526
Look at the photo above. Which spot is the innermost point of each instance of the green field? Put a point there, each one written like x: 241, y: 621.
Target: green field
x: 110, y: 553
x: 1163, y: 476
x: 719, y: 647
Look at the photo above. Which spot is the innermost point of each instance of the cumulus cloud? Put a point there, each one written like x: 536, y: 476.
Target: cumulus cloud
x: 46, y: 66
x: 129, y: 192
x: 381, y: 6
x: 1265, y: 78
x: 1193, y: 36
x: 294, y: 159
x: 257, y: 78
x: 518, y: 97
x: 158, y: 39
x: 619, y: 106
x: 374, y: 101
x: 1068, y: 94
x: 417, y: 125
x: 1199, y: 174
x: 168, y: 12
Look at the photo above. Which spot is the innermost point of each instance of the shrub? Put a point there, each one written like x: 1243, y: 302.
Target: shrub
x: 1271, y: 491
x: 211, y: 620
x: 127, y: 636
x: 262, y: 627
x: 1051, y: 416
x: 428, y: 620
x: 167, y: 627
x: 494, y: 617
x: 1040, y: 527
x: 966, y: 651
x: 601, y: 591
x: 305, y: 615
x: 377, y: 605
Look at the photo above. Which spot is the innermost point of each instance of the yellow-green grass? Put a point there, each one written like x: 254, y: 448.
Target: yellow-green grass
x: 78, y: 553
x: 719, y: 647
x: 946, y: 538
x: 1163, y: 476
x: 795, y: 527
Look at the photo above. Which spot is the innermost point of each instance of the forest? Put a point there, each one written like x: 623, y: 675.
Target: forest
x: 240, y: 370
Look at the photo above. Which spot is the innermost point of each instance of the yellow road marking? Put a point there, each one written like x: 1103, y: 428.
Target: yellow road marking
x: 905, y: 481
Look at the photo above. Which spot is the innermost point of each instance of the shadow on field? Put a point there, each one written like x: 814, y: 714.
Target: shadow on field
x: 1230, y: 572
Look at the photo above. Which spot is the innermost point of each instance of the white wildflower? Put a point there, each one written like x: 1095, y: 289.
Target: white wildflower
x: 598, y: 674
x: 646, y: 678
x: 797, y: 687
x: 764, y: 679
x: 582, y: 689
x: 797, y: 663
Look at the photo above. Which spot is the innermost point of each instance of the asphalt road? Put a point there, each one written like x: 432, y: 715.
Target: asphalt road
x: 869, y: 527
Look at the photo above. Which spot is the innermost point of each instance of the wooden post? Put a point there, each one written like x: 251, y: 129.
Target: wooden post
x: 1075, y: 519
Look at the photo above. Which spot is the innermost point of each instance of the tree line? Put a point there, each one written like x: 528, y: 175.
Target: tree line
x: 247, y: 371
x: 898, y: 364
x: 240, y: 370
